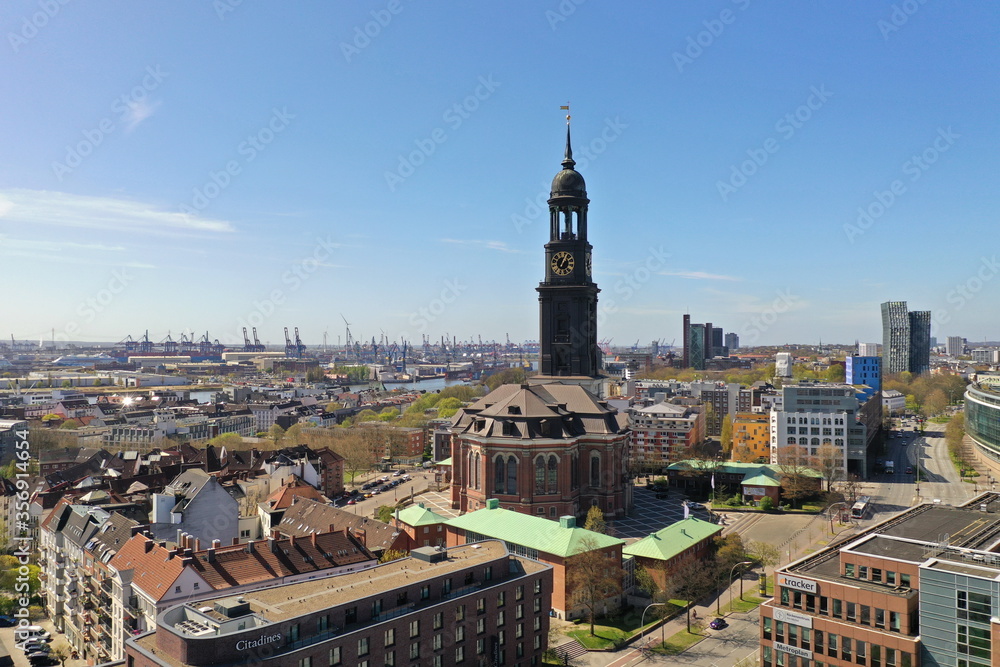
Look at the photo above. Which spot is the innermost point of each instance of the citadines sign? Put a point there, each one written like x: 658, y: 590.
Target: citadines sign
x: 804, y: 585
x: 794, y: 650
x: 263, y: 640
x: 792, y: 617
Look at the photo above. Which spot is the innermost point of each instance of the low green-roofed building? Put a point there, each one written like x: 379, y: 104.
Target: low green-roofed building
x: 666, y: 549
x: 551, y: 542
x: 563, y: 538
x: 418, y: 515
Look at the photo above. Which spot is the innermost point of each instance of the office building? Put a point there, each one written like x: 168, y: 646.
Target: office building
x: 732, y: 341
x: 864, y: 370
x: 955, y: 346
x: 917, y: 589
x: 816, y: 415
x: 906, y: 339
x: 982, y: 419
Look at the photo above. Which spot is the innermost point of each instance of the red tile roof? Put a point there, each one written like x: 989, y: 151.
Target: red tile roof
x: 155, y: 570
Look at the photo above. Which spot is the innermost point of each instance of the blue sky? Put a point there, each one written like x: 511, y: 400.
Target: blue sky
x: 201, y: 166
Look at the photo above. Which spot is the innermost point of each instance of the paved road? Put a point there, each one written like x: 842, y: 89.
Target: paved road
x: 933, y: 477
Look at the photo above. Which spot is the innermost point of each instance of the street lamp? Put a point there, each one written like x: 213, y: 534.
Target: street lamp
x: 642, y: 622
x: 731, y: 572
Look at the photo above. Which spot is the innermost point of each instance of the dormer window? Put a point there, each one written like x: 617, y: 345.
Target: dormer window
x: 513, y: 409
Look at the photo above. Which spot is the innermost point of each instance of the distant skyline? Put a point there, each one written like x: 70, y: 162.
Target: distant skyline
x: 777, y: 171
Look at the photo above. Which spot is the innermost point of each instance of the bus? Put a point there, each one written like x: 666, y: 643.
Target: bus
x: 860, y: 508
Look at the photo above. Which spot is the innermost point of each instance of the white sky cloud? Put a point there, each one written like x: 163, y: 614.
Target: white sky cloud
x: 480, y: 243
x: 700, y: 275
x: 33, y: 208
x: 139, y: 111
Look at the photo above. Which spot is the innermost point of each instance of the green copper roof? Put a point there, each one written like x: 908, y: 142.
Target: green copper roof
x: 562, y: 538
x: 673, y: 540
x: 418, y: 515
x: 760, y: 480
x: 737, y: 468
x: 446, y: 462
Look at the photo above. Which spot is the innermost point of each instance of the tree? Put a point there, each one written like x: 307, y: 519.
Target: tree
x: 851, y: 488
x: 514, y: 375
x: 227, y: 440
x: 294, y: 434
x: 60, y: 653
x: 388, y: 415
x: 729, y: 551
x: 726, y: 438
x: 70, y: 425
x: 316, y: 374
x: 835, y: 373
x: 690, y: 582
x: 366, y: 415
x: 591, y: 578
x: 358, y: 456
x: 384, y: 513
x: 830, y: 463
x: 764, y: 553
x: 743, y: 453
x: 447, y: 407
x: 390, y: 555
x: 275, y: 433
x: 333, y: 406
x: 795, y: 463
x: 935, y: 403
x: 595, y: 520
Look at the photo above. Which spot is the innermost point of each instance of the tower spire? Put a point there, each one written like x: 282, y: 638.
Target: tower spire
x: 568, y: 162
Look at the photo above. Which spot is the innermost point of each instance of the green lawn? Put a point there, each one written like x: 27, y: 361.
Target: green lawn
x: 619, y: 628
x: 679, y: 643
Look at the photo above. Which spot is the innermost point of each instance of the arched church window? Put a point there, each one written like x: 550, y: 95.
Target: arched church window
x: 512, y: 475
x: 499, y: 471
x: 540, y: 474
x: 595, y: 469
x: 553, y: 474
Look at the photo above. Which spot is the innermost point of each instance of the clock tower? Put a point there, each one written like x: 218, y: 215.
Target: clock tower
x: 567, y: 297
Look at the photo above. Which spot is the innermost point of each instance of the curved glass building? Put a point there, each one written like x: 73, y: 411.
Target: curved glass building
x: 982, y: 419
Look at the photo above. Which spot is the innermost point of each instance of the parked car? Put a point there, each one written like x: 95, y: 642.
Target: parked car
x: 909, y: 470
x: 7, y: 621
x: 352, y: 501
x: 718, y: 623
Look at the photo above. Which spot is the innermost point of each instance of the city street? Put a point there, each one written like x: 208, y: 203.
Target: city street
x: 933, y: 478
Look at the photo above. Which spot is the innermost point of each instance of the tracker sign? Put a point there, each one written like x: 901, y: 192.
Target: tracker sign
x: 796, y: 584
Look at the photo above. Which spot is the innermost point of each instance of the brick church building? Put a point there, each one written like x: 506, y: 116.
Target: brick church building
x: 551, y: 447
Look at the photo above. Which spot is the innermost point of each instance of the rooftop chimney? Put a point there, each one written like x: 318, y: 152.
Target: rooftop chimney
x: 272, y: 545
x: 291, y: 540
x: 312, y: 538
x: 147, y: 546
x: 210, y: 554
x: 216, y: 544
x: 197, y: 544
x: 250, y: 546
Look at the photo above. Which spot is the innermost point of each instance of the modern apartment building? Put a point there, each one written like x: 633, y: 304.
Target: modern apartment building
x: 663, y: 432
x: 783, y: 365
x: 471, y: 604
x: 917, y: 589
x: 751, y: 437
x: 954, y: 346
x: 732, y: 341
x: 906, y: 339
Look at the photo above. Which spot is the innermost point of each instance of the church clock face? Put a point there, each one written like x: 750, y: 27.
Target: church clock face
x: 562, y: 263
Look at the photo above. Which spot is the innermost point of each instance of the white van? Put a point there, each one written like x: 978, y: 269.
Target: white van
x: 30, y: 632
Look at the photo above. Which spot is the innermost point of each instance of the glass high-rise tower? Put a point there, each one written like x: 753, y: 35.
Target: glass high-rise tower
x: 906, y: 339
